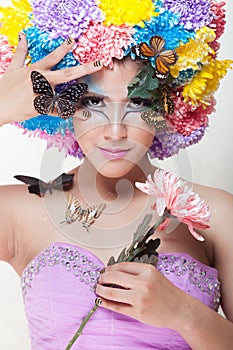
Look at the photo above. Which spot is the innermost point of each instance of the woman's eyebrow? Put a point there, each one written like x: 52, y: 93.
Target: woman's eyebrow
x: 94, y: 93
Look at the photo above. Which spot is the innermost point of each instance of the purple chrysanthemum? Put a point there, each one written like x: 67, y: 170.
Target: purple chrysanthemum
x: 167, y: 144
x: 193, y: 14
x: 65, y: 18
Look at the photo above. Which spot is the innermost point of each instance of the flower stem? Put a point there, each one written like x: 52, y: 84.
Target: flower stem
x: 132, y: 253
x: 83, y: 324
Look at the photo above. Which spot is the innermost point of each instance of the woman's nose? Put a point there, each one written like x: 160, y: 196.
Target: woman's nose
x: 115, y: 131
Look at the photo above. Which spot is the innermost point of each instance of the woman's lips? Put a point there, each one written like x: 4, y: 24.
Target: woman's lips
x: 114, y: 153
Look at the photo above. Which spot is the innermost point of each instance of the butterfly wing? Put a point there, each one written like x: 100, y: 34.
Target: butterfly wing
x: 43, y: 104
x: 65, y: 108
x: 74, y: 92
x: 63, y: 182
x: 40, y: 84
x: 168, y: 104
x: 146, y: 50
x: 36, y: 186
x: 153, y: 119
x: 163, y: 62
x: 157, y: 44
x: 65, y: 101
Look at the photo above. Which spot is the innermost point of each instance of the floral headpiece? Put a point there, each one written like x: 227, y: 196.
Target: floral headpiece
x: 104, y: 29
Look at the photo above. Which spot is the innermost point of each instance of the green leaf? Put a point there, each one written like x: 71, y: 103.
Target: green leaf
x: 143, y: 83
x: 143, y: 227
x: 111, y: 261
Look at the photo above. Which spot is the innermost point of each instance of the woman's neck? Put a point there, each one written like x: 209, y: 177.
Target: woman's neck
x: 93, y: 185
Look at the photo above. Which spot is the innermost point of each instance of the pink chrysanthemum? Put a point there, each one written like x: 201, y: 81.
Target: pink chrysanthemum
x: 174, y: 196
x: 6, y: 54
x: 218, y: 23
x: 103, y: 43
x: 66, y: 143
x: 188, y: 118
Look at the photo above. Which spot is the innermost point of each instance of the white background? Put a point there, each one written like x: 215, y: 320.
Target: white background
x: 210, y: 163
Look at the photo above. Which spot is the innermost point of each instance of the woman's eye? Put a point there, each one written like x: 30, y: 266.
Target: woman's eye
x: 92, y: 102
x: 140, y: 102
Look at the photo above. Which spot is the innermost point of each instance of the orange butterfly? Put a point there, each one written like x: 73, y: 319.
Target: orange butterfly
x: 163, y: 58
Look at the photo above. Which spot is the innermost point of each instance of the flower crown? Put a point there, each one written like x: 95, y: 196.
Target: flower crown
x: 179, y: 38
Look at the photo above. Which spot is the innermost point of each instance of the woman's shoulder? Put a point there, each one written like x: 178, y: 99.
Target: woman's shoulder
x: 220, y: 202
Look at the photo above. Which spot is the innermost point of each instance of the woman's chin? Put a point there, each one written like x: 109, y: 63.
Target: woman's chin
x: 116, y: 168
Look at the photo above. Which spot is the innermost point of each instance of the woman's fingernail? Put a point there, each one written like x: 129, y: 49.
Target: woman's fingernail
x: 19, y: 37
x: 102, y: 271
x: 97, y: 64
x: 98, y: 301
x: 69, y: 41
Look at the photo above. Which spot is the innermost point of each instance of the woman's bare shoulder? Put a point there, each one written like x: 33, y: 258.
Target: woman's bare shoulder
x: 14, y: 199
x: 220, y: 234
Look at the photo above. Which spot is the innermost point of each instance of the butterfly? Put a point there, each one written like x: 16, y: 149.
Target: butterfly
x: 64, y: 101
x: 163, y: 58
x: 87, y: 216
x: 153, y: 119
x: 39, y: 187
x: 168, y: 104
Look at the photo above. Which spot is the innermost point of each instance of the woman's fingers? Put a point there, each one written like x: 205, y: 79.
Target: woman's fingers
x: 117, y: 278
x: 115, y: 294
x: 20, y: 54
x: 55, y: 56
x: 68, y: 74
x: 133, y: 268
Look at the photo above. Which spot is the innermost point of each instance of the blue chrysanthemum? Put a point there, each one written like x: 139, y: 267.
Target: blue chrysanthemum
x: 48, y: 123
x: 166, y: 25
x: 40, y: 45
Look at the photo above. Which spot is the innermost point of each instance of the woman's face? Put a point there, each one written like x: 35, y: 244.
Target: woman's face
x: 108, y: 125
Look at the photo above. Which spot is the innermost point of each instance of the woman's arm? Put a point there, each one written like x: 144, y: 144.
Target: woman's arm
x: 16, y: 94
x: 151, y: 298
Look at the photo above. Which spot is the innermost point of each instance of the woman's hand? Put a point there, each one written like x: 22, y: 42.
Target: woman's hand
x: 147, y: 296
x: 16, y: 94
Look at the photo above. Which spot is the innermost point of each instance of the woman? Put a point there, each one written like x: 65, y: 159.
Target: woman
x: 114, y: 133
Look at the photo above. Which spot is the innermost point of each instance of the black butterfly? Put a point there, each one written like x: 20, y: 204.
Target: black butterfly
x: 168, y: 104
x: 64, y: 101
x: 39, y: 187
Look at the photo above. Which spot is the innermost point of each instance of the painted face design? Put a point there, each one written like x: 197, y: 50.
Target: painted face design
x: 108, y: 125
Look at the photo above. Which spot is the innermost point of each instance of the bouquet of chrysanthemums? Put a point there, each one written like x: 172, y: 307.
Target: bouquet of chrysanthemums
x: 104, y: 30
x: 174, y: 199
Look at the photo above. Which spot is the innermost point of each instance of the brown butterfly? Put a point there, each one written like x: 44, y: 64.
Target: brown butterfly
x: 39, y: 187
x: 153, y: 119
x: 87, y: 216
x: 163, y: 58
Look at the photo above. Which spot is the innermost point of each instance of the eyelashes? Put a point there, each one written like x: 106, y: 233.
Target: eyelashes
x: 91, y: 101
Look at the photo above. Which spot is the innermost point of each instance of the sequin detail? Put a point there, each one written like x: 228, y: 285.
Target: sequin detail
x: 197, y: 275
x: 78, y: 263
x: 73, y: 261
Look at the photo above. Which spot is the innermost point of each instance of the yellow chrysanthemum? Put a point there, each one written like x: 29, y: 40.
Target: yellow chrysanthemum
x: 14, y: 19
x: 206, y: 82
x: 130, y: 12
x: 195, y: 51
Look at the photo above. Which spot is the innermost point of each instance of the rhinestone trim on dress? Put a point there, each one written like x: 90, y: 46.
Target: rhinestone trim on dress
x: 71, y: 258
x: 77, y: 262
x: 197, y: 275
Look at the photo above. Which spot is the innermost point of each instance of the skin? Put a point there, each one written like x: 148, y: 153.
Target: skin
x: 28, y: 224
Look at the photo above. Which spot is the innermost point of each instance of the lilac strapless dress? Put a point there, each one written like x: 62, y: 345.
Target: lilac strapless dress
x: 58, y: 289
